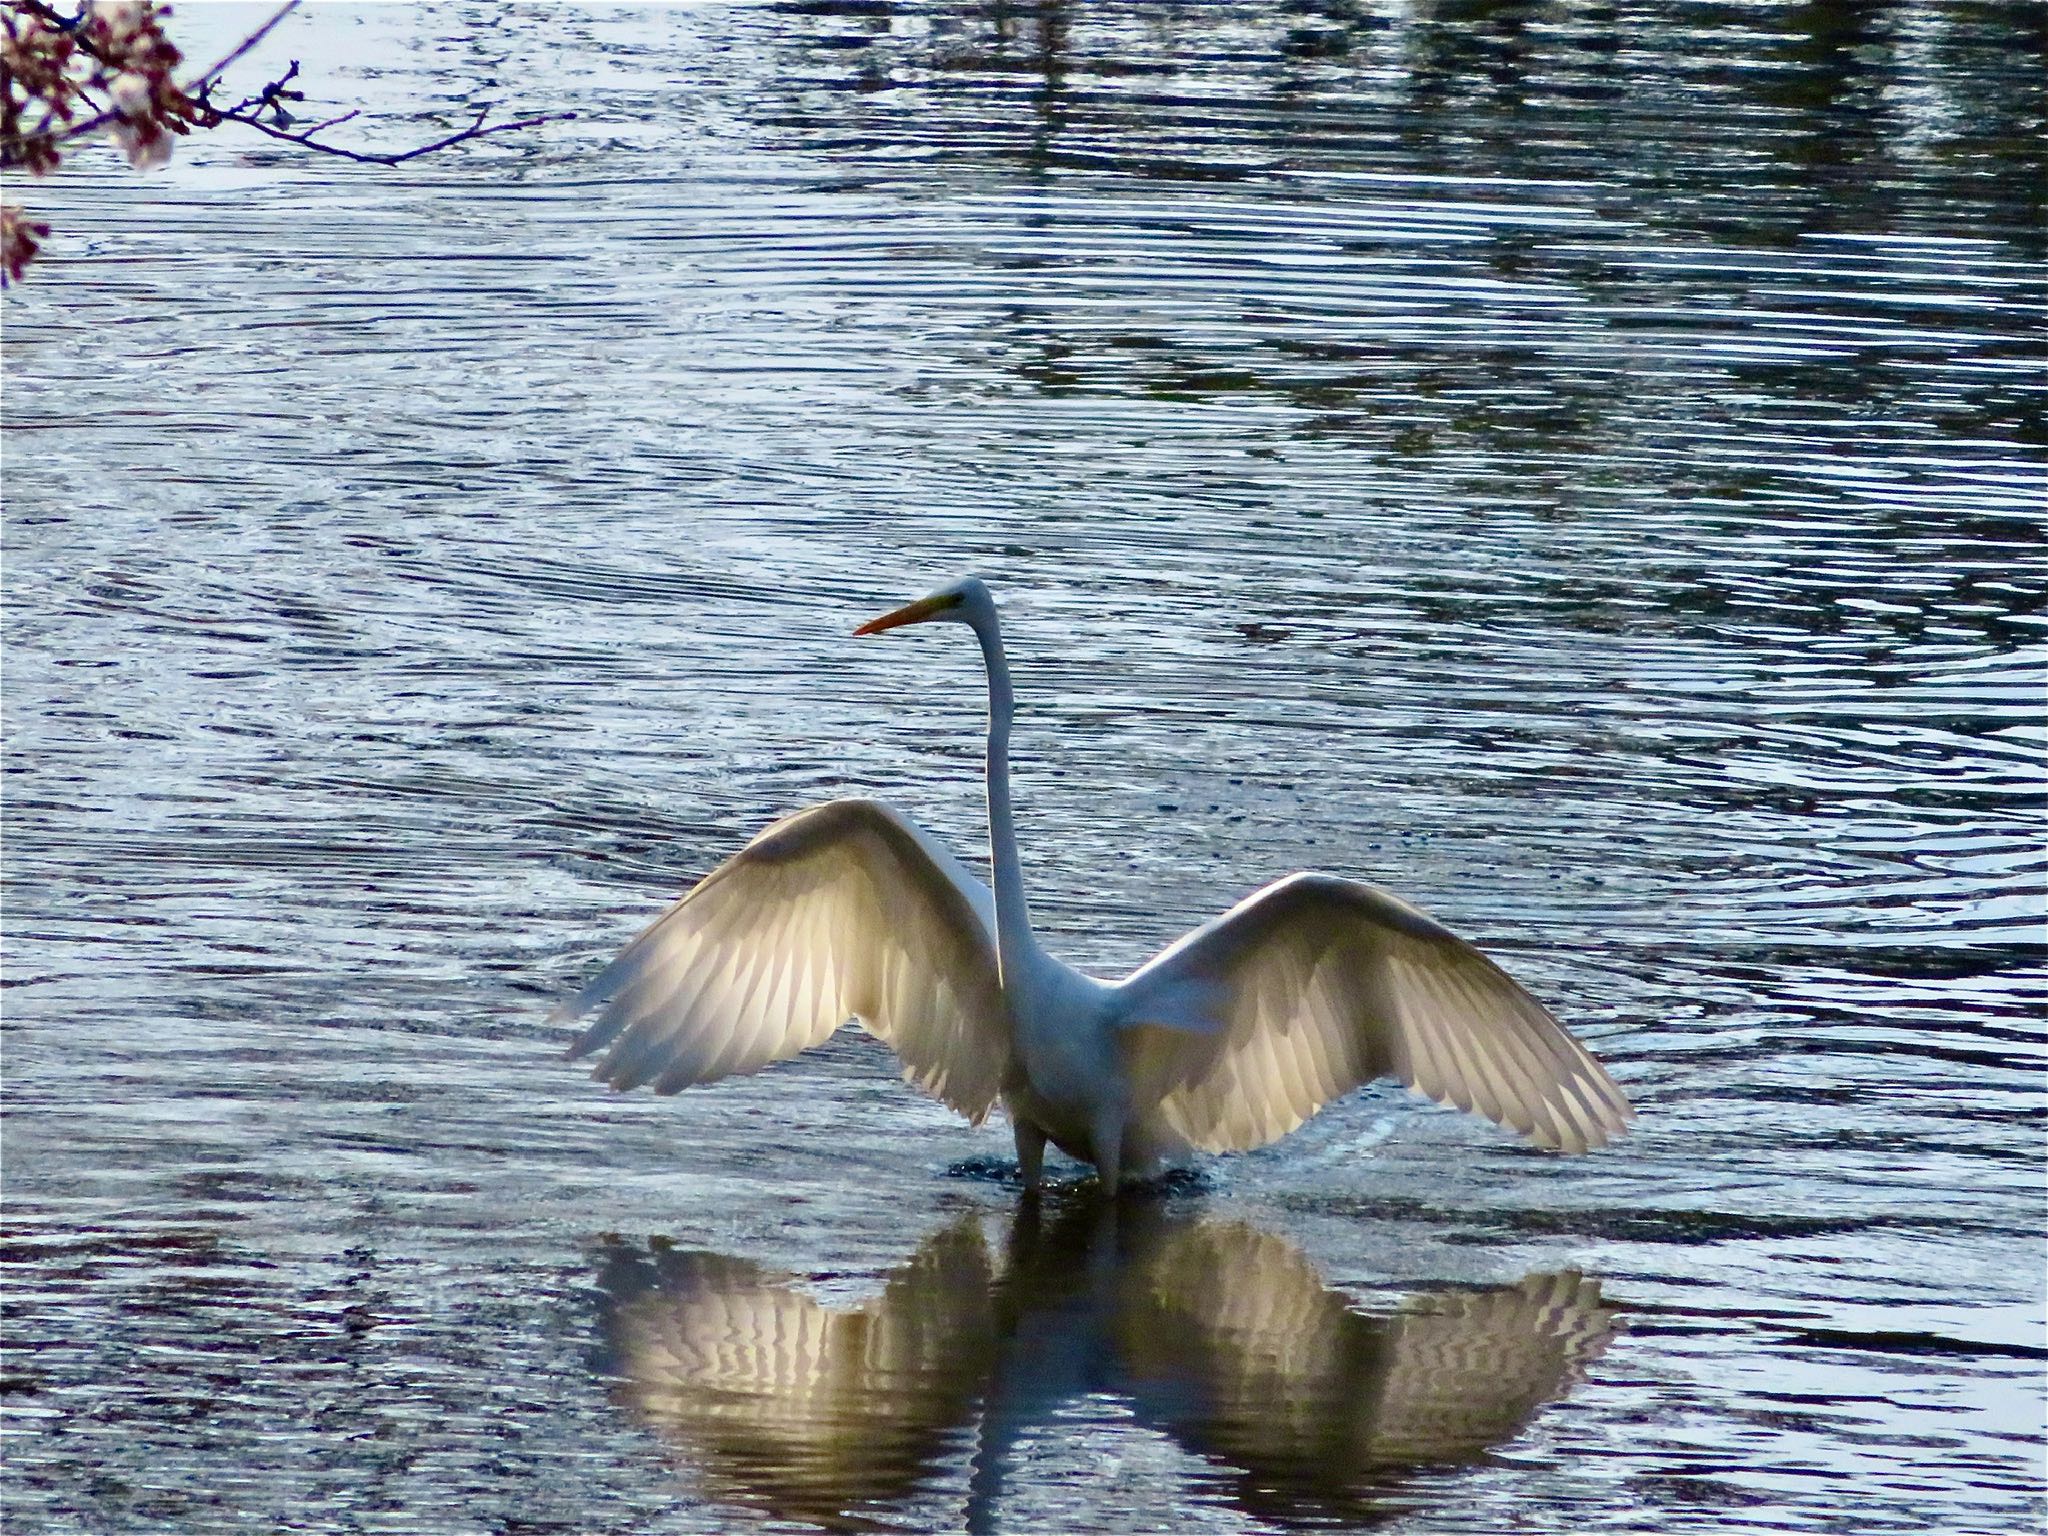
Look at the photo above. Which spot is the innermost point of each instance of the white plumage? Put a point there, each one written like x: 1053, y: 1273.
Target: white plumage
x: 1228, y: 1040
x: 844, y: 911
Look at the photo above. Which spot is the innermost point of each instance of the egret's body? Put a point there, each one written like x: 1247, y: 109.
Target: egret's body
x: 1227, y: 1040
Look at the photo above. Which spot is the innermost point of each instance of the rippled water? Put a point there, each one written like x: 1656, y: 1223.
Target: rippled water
x: 1578, y: 466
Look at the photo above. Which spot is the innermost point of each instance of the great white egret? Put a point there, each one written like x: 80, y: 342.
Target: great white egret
x: 1227, y: 1040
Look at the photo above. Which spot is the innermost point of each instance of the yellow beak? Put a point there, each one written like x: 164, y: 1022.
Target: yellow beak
x: 909, y: 613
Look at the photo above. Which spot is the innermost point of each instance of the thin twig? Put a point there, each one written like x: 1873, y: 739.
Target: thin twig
x: 242, y: 47
x: 270, y: 96
x: 199, y: 86
x: 263, y: 98
x: 334, y: 122
x: 50, y: 14
x: 475, y: 130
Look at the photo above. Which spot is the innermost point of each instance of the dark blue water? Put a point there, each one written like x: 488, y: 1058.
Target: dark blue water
x: 1577, y: 466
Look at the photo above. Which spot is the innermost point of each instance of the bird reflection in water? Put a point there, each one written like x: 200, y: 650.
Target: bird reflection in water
x: 1216, y: 1334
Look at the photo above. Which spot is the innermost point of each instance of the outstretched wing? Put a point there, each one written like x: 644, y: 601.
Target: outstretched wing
x: 844, y: 911
x: 1314, y: 985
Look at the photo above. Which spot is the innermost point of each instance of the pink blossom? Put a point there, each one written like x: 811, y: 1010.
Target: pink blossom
x: 131, y: 93
x: 145, y: 144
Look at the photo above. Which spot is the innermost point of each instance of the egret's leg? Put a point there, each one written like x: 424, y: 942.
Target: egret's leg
x: 1108, y: 1149
x: 1030, y: 1153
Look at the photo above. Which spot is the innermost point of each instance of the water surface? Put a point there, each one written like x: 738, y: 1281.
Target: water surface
x: 1579, y: 467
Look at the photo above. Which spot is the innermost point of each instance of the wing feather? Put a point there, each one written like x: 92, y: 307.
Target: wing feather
x: 844, y: 911
x: 1315, y: 985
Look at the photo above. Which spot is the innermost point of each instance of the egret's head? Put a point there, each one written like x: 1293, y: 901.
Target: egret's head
x: 966, y: 601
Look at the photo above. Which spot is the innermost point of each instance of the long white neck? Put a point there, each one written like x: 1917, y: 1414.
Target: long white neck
x: 1013, y: 918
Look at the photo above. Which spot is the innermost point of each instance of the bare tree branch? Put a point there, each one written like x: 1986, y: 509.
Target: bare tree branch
x: 196, y: 90
x: 475, y: 130
x: 213, y: 74
x: 334, y: 122
x: 116, y: 65
x: 269, y: 96
x: 244, y: 112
